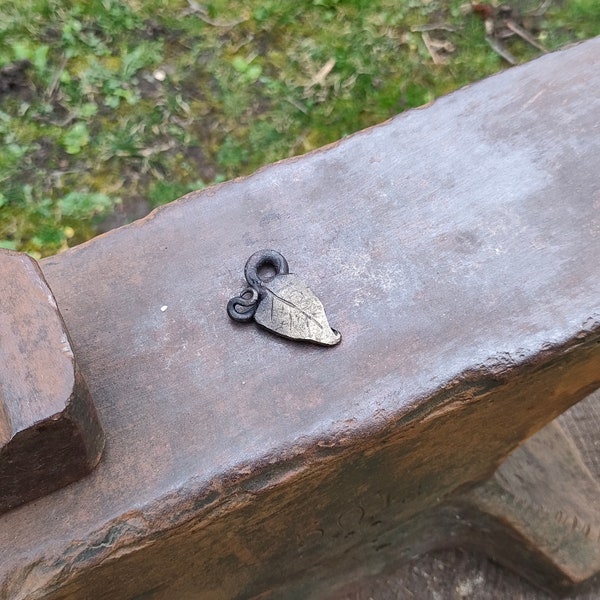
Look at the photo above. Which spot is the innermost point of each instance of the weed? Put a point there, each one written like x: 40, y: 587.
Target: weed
x: 107, y: 101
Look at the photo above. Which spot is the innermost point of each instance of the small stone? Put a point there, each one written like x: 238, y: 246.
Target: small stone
x: 159, y: 75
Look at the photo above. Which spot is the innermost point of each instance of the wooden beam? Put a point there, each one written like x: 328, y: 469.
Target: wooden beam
x: 456, y: 248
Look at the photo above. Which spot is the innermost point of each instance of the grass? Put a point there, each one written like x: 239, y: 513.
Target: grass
x: 111, y: 107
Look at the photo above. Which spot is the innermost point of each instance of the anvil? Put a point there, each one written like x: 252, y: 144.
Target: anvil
x: 457, y: 248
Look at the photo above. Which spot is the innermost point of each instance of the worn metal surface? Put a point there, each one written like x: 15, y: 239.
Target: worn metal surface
x: 49, y: 432
x: 281, y: 303
x: 458, y: 248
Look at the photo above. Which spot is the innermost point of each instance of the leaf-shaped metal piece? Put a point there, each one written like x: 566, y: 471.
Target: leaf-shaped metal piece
x: 281, y: 303
x: 290, y: 309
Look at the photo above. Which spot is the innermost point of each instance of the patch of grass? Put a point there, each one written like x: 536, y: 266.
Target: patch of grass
x: 107, y: 102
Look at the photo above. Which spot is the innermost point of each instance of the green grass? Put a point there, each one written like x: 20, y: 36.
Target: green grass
x: 129, y: 102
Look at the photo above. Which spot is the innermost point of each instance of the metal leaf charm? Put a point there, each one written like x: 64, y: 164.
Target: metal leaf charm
x: 290, y: 309
x: 282, y: 303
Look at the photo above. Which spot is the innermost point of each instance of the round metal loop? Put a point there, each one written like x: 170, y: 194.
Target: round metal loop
x: 264, y: 258
x: 248, y: 305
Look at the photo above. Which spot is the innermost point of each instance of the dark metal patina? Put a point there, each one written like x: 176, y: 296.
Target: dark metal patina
x: 281, y: 303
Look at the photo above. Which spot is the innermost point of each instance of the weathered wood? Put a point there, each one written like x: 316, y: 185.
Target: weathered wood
x: 456, y: 249
x: 542, y: 494
x: 539, y: 514
x: 49, y: 430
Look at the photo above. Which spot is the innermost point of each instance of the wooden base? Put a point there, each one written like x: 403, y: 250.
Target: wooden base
x: 539, y: 515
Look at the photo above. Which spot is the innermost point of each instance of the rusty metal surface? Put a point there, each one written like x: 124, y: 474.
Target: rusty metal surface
x: 462, y: 238
x: 49, y: 434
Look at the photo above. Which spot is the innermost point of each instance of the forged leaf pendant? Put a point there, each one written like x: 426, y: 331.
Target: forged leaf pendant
x: 282, y: 303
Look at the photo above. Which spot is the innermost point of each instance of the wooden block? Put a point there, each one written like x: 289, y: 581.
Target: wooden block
x: 539, y: 515
x: 49, y: 431
x: 455, y: 248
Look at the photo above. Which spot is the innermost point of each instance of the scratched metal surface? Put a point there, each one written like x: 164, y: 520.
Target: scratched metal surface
x: 462, y: 236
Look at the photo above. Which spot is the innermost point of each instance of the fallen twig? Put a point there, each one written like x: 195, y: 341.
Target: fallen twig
x: 434, y: 46
x: 147, y: 152
x: 523, y: 34
x: 297, y: 105
x: 56, y: 79
x: 500, y: 50
x: 541, y: 9
x: 432, y: 27
x: 435, y: 57
x: 319, y: 78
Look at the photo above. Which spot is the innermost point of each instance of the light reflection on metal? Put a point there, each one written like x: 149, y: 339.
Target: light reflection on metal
x: 281, y: 302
